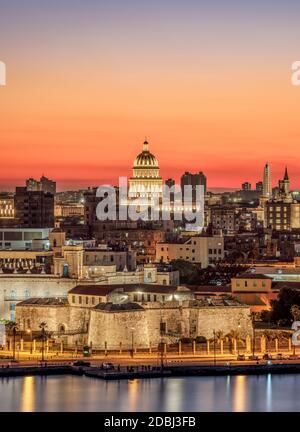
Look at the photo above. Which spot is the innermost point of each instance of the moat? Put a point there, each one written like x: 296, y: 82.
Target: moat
x: 278, y: 392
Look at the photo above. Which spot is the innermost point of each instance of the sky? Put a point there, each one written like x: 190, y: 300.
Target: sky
x: 207, y: 82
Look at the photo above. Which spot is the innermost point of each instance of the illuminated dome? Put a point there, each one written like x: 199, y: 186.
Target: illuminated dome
x: 145, y: 180
x: 145, y: 158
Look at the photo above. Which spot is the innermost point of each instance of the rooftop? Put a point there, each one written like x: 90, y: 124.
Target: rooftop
x: 101, y: 290
x: 251, y: 276
x: 47, y: 301
x: 120, y: 307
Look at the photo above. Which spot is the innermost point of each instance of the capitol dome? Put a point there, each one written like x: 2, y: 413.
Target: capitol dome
x: 145, y: 180
x: 145, y: 158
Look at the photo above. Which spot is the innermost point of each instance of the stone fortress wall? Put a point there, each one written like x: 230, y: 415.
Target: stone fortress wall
x: 108, y: 325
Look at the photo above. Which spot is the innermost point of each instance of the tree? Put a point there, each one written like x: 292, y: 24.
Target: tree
x: 13, y: 327
x: 282, y: 306
x: 270, y: 337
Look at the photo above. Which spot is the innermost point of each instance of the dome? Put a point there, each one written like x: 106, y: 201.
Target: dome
x: 145, y: 159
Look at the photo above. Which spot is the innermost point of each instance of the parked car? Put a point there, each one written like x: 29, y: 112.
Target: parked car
x: 293, y: 357
x: 253, y: 357
x: 81, y: 363
x: 108, y: 366
x: 241, y: 357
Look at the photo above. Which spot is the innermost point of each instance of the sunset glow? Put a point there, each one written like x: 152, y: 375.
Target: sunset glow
x: 208, y: 83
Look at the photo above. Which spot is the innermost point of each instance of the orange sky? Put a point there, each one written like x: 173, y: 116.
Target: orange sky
x: 210, y: 94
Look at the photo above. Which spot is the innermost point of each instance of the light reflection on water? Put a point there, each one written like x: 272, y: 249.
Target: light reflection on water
x: 73, y: 393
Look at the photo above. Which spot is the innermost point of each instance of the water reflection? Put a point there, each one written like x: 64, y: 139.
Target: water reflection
x: 28, y: 394
x: 73, y: 393
x: 240, y: 393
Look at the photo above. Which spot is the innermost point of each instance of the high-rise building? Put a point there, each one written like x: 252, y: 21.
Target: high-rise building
x: 43, y: 185
x: 259, y: 186
x: 246, y: 186
x: 34, y: 209
x: 188, y: 179
x: 267, y: 183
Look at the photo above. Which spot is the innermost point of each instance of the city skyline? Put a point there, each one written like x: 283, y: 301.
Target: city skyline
x: 86, y: 84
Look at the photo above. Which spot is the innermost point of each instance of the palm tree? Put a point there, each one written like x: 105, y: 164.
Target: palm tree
x: 220, y: 338
x: 234, y: 338
x: 13, y: 327
x: 270, y: 337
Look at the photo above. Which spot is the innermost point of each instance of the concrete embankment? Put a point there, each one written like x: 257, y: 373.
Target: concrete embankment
x: 168, y: 372
x: 259, y: 369
x: 36, y: 370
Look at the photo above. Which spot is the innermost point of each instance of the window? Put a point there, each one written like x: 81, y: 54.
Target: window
x: 155, y: 297
x: 86, y: 300
x: 93, y: 300
x: 80, y: 299
x: 149, y: 297
x: 135, y: 297
x: 73, y: 299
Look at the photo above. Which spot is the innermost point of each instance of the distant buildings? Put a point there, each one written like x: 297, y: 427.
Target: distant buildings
x: 43, y: 185
x: 246, y: 186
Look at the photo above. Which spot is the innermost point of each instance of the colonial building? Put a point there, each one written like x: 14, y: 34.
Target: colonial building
x: 203, y: 250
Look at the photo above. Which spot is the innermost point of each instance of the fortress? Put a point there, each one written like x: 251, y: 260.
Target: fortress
x: 107, y: 317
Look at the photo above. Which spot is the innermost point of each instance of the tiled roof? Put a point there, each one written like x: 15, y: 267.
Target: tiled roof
x: 47, y: 301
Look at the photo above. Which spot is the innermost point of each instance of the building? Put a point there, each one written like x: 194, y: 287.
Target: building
x: 6, y: 205
x: 24, y: 238
x: 194, y: 180
x: 203, y: 250
x: 145, y: 181
x: 118, y: 322
x: 255, y: 290
x: 282, y: 215
x: 259, y: 186
x: 267, y: 182
x: 223, y: 218
x: 68, y: 210
x: 43, y: 185
x: 34, y: 209
x: 246, y: 186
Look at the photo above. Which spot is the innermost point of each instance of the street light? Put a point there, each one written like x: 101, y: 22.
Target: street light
x: 253, y: 331
x: 132, y: 341
x: 43, y: 333
x: 215, y: 358
x: 238, y: 339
